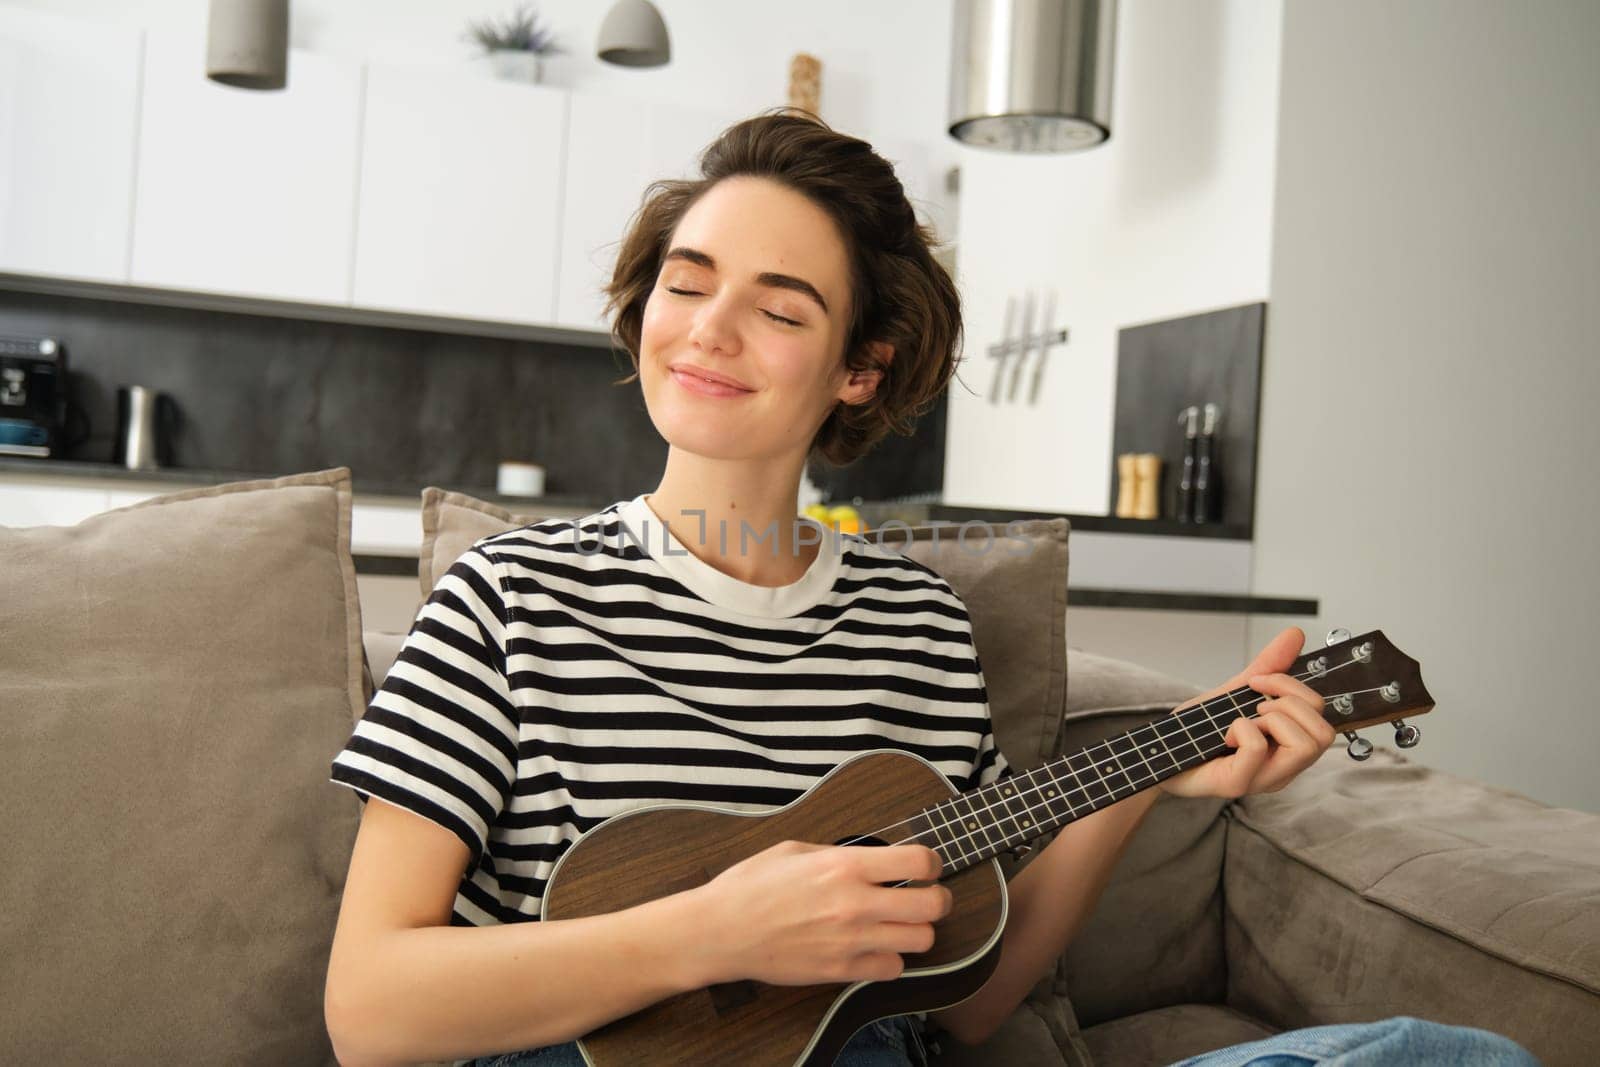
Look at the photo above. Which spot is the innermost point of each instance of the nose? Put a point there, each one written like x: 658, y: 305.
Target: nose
x: 713, y: 329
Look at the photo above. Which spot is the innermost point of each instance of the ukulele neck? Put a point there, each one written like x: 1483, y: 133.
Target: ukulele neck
x: 979, y: 825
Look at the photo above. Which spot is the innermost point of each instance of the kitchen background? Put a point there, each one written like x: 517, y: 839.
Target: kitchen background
x: 1397, y: 193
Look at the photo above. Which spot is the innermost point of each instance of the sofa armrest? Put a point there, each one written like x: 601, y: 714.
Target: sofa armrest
x: 1385, y: 888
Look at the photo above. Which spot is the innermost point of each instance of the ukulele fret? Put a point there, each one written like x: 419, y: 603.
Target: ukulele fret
x: 946, y: 841
x: 1157, y: 753
x: 1016, y: 822
x: 975, y: 824
x: 1188, y: 736
x: 1126, y: 750
x: 1095, y: 786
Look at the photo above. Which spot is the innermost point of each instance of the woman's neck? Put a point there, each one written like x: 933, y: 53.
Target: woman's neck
x: 738, y: 517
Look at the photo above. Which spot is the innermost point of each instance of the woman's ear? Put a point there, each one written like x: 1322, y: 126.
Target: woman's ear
x: 862, y: 385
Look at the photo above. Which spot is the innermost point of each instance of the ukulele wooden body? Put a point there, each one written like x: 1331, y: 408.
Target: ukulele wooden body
x: 656, y: 851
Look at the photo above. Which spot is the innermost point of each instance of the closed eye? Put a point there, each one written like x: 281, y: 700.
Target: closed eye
x: 764, y: 311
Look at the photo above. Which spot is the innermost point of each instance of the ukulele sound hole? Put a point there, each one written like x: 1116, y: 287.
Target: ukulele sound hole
x: 858, y: 839
x: 861, y: 839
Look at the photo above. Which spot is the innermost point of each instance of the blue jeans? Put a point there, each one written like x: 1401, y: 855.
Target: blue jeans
x: 892, y: 1042
x: 1396, y: 1041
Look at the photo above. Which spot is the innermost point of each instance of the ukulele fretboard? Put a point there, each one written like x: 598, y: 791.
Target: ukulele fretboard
x: 981, y: 824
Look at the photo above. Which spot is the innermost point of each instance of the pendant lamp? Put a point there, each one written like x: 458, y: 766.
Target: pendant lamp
x: 1032, y: 75
x: 634, y: 35
x: 247, y: 43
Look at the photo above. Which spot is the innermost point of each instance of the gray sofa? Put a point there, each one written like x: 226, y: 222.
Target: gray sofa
x: 175, y: 677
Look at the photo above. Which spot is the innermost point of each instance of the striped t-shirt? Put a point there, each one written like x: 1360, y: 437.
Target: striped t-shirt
x: 573, y: 669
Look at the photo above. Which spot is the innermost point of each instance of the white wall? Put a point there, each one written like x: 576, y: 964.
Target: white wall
x: 1429, y: 432
x: 884, y: 73
x: 1170, y: 217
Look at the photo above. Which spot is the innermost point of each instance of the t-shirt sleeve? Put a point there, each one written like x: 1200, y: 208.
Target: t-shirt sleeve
x: 439, y: 737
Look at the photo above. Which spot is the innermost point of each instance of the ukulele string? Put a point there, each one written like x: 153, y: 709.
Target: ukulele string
x: 1154, y: 725
x: 1220, y: 748
x: 1206, y: 716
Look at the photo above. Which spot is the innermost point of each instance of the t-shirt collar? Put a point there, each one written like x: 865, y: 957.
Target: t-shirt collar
x: 655, y: 537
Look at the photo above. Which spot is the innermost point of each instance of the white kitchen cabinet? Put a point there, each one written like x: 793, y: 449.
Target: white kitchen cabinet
x: 386, y: 529
x: 460, y: 204
x: 616, y: 147
x: 69, y: 90
x: 243, y: 191
x: 29, y: 503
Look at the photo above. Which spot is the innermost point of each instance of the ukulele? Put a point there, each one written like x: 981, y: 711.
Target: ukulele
x: 887, y: 796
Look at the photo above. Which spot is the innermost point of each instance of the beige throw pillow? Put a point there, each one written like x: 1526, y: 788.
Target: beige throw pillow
x: 451, y: 523
x: 175, y: 678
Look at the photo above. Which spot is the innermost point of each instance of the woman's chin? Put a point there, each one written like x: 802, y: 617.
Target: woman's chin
x: 686, y: 432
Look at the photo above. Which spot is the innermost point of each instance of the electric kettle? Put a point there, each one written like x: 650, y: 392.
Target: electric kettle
x: 147, y: 423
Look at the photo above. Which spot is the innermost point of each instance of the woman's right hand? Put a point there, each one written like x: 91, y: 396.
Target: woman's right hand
x: 804, y: 914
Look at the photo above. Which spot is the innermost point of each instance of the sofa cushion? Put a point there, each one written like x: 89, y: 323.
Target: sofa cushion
x: 1105, y: 683
x: 1012, y: 578
x: 1513, y: 876
x: 177, y: 675
x: 1155, y: 938
x: 1166, y: 1035
x: 1385, y: 887
x: 451, y: 523
x: 1015, y: 592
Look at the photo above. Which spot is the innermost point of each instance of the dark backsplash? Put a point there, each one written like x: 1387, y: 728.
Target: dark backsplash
x: 264, y: 395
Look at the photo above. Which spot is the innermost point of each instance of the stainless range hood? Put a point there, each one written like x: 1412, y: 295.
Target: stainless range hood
x: 1032, y: 75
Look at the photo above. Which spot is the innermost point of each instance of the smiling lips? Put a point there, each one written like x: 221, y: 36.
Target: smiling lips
x: 705, y: 383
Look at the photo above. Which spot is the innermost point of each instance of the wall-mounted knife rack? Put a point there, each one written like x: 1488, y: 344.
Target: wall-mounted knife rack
x: 1029, y: 341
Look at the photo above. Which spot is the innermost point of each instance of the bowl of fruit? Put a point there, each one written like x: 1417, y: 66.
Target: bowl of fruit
x: 843, y: 518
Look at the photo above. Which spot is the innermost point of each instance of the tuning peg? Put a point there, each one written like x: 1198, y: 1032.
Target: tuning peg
x: 1335, y: 636
x: 1359, y: 747
x: 1406, y: 735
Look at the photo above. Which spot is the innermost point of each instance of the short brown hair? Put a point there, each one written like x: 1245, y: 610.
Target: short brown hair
x: 899, y: 293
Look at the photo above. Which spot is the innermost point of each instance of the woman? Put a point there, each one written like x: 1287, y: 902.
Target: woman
x: 783, y: 306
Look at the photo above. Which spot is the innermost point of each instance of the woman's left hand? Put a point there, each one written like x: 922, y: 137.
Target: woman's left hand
x: 1286, y: 736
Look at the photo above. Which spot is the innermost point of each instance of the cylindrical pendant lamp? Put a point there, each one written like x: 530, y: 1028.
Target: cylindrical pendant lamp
x: 1032, y: 75
x: 247, y: 43
x: 633, y: 34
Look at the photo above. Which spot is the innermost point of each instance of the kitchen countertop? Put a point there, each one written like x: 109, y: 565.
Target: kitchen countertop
x: 912, y: 511
x: 187, y: 476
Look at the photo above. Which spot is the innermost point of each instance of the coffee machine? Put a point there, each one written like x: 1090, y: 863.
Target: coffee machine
x: 33, y: 396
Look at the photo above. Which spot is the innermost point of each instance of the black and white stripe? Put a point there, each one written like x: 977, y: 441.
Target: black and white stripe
x: 543, y: 689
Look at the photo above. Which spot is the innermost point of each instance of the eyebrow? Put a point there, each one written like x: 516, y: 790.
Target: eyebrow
x: 767, y: 278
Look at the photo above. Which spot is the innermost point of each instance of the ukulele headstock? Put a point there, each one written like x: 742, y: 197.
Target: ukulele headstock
x: 1365, y: 681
